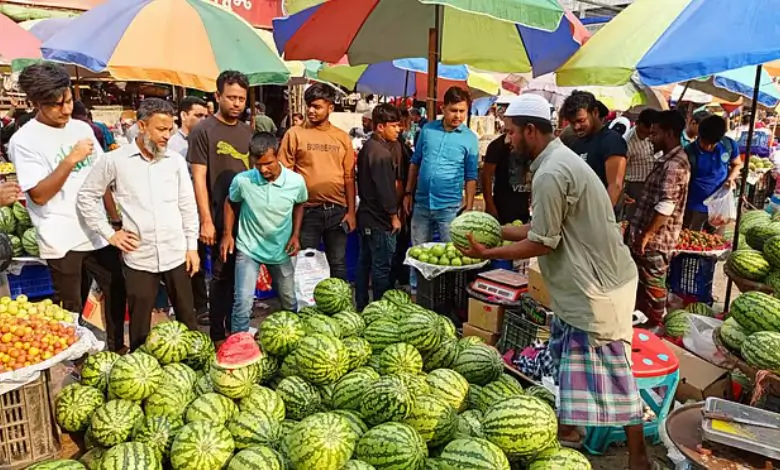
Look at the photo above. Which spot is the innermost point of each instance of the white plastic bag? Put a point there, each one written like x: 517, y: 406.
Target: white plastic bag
x: 721, y: 207
x: 430, y: 271
x: 311, y: 266
x: 698, y: 339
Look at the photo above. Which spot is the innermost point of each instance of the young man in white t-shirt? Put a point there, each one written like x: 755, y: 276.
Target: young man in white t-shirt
x: 53, y: 155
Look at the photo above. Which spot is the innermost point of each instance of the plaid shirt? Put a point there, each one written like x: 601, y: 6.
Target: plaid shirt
x: 640, y: 157
x: 668, y: 182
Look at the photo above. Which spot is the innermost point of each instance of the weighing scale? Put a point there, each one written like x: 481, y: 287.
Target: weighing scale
x: 500, y: 285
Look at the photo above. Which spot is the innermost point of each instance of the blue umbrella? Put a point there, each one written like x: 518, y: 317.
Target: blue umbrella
x: 732, y: 84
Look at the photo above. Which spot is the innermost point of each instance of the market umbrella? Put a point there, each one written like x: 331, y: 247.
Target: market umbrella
x: 179, y: 42
x: 618, y: 98
x: 16, y: 42
x: 45, y: 28
x: 733, y: 84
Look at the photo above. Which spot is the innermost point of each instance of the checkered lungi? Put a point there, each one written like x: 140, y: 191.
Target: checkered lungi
x: 651, y: 291
x: 597, y: 386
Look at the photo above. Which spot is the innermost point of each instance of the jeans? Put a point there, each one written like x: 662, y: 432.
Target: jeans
x: 425, y: 221
x: 399, y: 274
x: 324, y: 222
x: 377, y: 249
x: 221, y: 291
x: 247, y: 269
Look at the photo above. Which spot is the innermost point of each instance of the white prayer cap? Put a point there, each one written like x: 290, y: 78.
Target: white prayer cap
x: 529, y: 105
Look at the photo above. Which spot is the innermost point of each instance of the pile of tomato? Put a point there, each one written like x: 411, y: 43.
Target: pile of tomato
x: 691, y: 240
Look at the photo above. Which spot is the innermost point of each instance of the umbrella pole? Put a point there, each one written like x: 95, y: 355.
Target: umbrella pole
x: 76, y: 90
x: 252, y: 104
x: 745, y: 173
x: 434, y: 53
x: 682, y: 95
x: 406, y: 90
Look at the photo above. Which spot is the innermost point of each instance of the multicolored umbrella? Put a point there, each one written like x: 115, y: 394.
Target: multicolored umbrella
x: 733, y: 84
x: 180, y: 42
x: 505, y: 36
x: 17, y: 43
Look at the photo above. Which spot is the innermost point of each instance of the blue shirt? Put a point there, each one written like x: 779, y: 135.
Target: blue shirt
x: 710, y: 172
x: 446, y: 161
x: 265, y: 223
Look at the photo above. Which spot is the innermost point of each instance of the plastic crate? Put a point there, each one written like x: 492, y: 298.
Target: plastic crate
x: 27, y: 430
x: 690, y: 277
x: 519, y: 332
x: 446, y: 294
x: 34, y: 281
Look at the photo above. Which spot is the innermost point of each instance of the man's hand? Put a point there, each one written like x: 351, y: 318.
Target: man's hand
x: 125, y: 241
x: 293, y: 246
x: 227, y: 246
x: 9, y: 193
x: 395, y: 223
x: 208, y: 233
x: 192, y: 262
x: 407, y: 203
x: 475, y: 249
x: 491, y: 209
x: 641, y: 243
x: 730, y: 183
x: 351, y: 220
x: 81, y: 151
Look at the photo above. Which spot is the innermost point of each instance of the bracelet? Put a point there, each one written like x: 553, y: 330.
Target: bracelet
x: 116, y: 223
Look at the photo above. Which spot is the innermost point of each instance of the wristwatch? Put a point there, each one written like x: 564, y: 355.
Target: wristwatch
x: 116, y: 224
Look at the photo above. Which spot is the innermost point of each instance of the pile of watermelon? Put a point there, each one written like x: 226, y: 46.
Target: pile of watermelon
x: 676, y: 323
x: 15, y: 222
x: 389, y: 388
x: 752, y: 330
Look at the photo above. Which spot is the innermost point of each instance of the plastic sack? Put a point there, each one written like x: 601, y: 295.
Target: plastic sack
x: 311, y: 266
x: 430, y: 271
x: 698, y: 339
x: 263, y: 283
x: 721, y: 207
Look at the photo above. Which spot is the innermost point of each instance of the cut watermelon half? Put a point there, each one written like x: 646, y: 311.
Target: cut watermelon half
x: 239, y: 350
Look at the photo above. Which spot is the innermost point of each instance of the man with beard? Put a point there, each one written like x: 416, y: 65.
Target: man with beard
x: 218, y: 150
x: 589, y: 273
x: 159, y: 235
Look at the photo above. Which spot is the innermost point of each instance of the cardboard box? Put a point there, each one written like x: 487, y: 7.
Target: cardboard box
x: 488, y: 336
x: 537, y: 288
x: 488, y: 317
x: 699, y: 379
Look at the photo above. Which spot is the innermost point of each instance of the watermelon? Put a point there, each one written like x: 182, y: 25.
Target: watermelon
x: 400, y: 357
x: 158, y: 432
x: 521, y: 426
x: 96, y: 369
x: 309, y: 310
x: 559, y: 458
x: 773, y: 280
x: 469, y: 424
x: 265, y: 400
x: 677, y: 326
x: 373, y: 361
x: 350, y: 323
x: 168, y: 400
x: 322, y: 359
x: 75, y: 405
x: 387, y: 399
x: 382, y: 333
x: 732, y: 335
x: 326, y: 394
x: 21, y: 215
x: 752, y: 218
x: 286, y: 426
x: 397, y: 297
x: 257, y: 458
x: 233, y: 383
x: 58, y: 464
x: 267, y: 367
x: 771, y: 251
x: 201, y: 445
x: 416, y: 383
x: 135, y: 376
x: 131, y: 456
x: 280, y: 333
x: 479, y: 364
x: 211, y: 407
x: 91, y: 458
x: 447, y: 328
x: 700, y: 308
x: 321, y: 324
x: 441, y: 357
x: 421, y: 330
x: 200, y: 351
x: 756, y: 236
x: 358, y: 426
x: 542, y: 393
x: 392, y: 446
x: 348, y: 392
x: 358, y: 465
x: 485, y: 229
x: 762, y: 350
x: 7, y: 221
x: 115, y: 421
x: 469, y: 341
x: 300, y: 398
x: 449, y: 385
x: 496, y: 392
x: 333, y: 295
x: 250, y: 428
x: 289, y: 366
x: 475, y: 454
x: 380, y: 309
x: 30, y: 242
x: 756, y: 311
x: 749, y: 265
x: 472, y: 399
x: 168, y: 342
x: 433, y: 418
x: 179, y: 376
x: 674, y: 313
x: 324, y: 441
x: 238, y: 352
x: 16, y: 246
x: 358, y: 351
x: 203, y: 385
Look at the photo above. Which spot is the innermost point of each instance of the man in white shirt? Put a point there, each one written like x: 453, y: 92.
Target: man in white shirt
x: 53, y: 155
x: 159, y: 235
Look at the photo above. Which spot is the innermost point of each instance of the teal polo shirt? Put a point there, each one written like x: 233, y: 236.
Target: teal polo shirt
x: 265, y: 223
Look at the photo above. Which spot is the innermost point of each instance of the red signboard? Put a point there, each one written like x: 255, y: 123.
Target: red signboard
x: 258, y: 13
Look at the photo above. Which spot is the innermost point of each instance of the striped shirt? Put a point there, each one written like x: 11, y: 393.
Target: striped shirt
x: 640, y: 157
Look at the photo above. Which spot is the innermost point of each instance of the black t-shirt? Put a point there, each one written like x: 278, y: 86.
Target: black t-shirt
x: 597, y: 148
x: 511, y: 183
x: 224, y: 149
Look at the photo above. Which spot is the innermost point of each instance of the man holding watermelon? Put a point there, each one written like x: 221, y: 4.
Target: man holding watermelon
x: 590, y: 275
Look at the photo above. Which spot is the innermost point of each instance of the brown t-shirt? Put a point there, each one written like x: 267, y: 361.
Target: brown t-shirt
x: 224, y: 149
x: 324, y: 156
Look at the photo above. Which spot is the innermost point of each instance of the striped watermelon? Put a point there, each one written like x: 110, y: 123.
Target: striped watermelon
x: 441, y: 357
x: 496, y: 392
x: 416, y: 383
x: 752, y: 218
x: 469, y: 424
x: 250, y: 428
x: 773, y: 280
x: 211, y: 407
x: 483, y: 226
x: 358, y: 351
x: 168, y: 342
x: 760, y: 233
x: 58, y: 464
x: 280, y: 332
x: 201, y: 445
x: 756, y: 311
x: 392, y: 446
x: 421, y: 330
x: 300, y: 398
x: 265, y: 400
x: 169, y: 401
x: 326, y: 394
x: 75, y: 405
x: 472, y: 400
x: 449, y: 385
x: 387, y: 399
x: 355, y: 422
x: 475, y: 454
x: 772, y: 251
x: 469, y: 341
x: 381, y: 334
x: 358, y: 465
x: 380, y: 309
x: 91, y: 458
x: 373, y: 361
x: 762, y: 350
x: 674, y: 313
x: 677, y: 326
x: 286, y: 426
x: 560, y: 458
x: 732, y: 335
x: 130, y: 456
x: 321, y: 324
x: 350, y: 323
x: 200, y: 351
x: 479, y: 364
x: 289, y: 366
x: 348, y: 392
x: 700, y: 308
x: 397, y: 297
x: 257, y: 458
x: 180, y: 376
x: 400, y: 357
x: 333, y: 295
x: 323, y: 441
x: 749, y: 264
x: 308, y: 310
x: 233, y: 383
x: 542, y: 393
x: 447, y: 328
x: 114, y: 422
x: 97, y: 368
x: 322, y: 359
x: 433, y: 418
x: 203, y: 385
x: 135, y: 376
x: 521, y: 426
x: 158, y: 432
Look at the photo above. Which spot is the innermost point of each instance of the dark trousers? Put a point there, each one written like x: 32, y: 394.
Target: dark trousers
x: 324, y: 223
x: 105, y: 267
x: 200, y: 293
x: 223, y: 280
x: 635, y: 190
x: 377, y: 248
x: 399, y: 274
x: 698, y: 221
x: 142, y: 287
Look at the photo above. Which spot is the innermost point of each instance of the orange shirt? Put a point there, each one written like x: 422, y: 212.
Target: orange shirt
x: 324, y: 156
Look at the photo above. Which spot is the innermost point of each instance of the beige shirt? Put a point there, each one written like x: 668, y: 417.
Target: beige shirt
x: 590, y: 269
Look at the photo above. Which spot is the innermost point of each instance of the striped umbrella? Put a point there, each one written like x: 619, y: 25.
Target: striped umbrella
x: 180, y: 42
